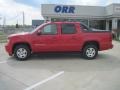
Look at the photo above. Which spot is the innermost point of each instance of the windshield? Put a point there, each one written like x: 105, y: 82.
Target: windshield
x: 37, y: 28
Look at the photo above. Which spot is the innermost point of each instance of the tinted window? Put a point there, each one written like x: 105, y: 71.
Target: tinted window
x: 68, y: 29
x: 49, y: 29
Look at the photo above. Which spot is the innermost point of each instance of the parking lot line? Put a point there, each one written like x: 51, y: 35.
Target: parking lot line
x: 44, y: 81
x: 3, y: 62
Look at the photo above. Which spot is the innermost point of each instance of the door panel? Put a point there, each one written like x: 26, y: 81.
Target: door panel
x: 70, y: 43
x: 70, y: 38
x: 48, y: 40
x: 44, y: 43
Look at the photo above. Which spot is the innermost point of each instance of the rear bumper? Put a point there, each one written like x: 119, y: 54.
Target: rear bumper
x: 111, y: 46
x: 106, y: 47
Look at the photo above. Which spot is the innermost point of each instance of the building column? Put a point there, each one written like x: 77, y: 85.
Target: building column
x: 88, y: 22
x: 107, y: 24
x: 114, y: 23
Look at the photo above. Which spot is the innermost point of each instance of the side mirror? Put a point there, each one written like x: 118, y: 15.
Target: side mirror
x: 38, y: 32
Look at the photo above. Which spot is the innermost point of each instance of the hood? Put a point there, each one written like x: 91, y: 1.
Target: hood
x: 19, y: 34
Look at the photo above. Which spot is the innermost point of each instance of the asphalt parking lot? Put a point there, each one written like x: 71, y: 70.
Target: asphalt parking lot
x: 61, y: 71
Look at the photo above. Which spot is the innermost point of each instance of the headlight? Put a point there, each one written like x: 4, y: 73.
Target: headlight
x: 8, y: 40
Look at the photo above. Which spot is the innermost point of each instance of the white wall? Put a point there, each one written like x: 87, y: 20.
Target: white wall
x: 83, y: 11
x: 80, y: 11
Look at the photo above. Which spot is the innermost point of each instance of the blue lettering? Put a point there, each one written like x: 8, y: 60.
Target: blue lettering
x: 64, y: 9
x: 58, y: 9
x: 71, y: 9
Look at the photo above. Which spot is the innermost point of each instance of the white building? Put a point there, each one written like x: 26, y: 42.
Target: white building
x: 101, y: 17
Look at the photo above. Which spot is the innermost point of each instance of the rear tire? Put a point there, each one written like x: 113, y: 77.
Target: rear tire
x: 90, y: 52
x: 22, y: 52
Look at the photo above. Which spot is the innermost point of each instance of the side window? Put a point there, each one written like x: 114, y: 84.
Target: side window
x: 68, y: 29
x: 83, y: 27
x: 50, y: 29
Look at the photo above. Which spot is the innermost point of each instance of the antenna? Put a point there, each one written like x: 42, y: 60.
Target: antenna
x: 23, y: 18
x: 4, y: 21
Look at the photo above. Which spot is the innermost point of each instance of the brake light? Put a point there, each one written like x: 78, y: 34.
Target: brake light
x: 110, y: 37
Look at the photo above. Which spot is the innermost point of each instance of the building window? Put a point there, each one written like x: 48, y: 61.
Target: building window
x: 98, y: 24
x: 68, y: 29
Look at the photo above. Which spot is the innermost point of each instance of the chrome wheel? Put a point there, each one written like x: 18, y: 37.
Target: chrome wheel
x: 90, y: 52
x: 21, y: 53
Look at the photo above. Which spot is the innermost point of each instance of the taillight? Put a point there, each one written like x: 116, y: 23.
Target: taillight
x: 110, y: 37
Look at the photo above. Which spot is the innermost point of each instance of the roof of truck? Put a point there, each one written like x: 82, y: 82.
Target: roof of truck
x: 63, y: 22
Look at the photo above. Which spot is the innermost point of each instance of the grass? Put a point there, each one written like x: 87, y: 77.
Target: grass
x: 118, y: 40
x: 3, y: 37
x: 1, y: 33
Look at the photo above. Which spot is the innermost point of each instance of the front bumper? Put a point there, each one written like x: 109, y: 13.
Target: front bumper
x: 8, y: 49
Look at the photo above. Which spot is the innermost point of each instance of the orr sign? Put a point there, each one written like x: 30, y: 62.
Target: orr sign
x: 64, y: 9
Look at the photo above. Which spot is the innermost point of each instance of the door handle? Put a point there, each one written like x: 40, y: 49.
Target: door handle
x: 53, y: 38
x: 74, y: 38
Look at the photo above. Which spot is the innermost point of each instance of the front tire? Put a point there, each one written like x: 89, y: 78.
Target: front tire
x: 90, y: 52
x: 22, y: 52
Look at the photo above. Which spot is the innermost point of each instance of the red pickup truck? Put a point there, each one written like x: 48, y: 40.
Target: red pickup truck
x: 59, y: 37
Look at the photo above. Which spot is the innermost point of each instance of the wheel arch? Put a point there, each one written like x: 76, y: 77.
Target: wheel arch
x: 21, y: 43
x: 93, y: 43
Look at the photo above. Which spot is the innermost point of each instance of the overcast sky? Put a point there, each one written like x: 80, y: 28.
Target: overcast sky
x: 12, y: 9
